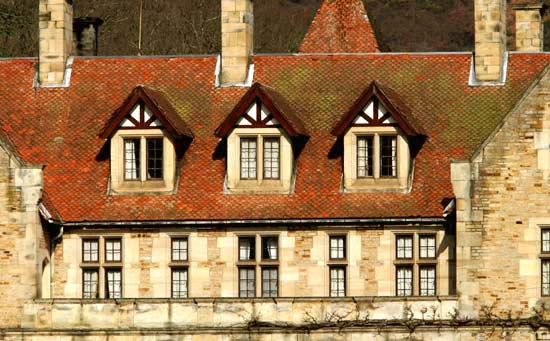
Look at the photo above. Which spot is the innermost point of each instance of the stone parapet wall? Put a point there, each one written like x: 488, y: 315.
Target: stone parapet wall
x: 221, y: 313
x: 268, y: 335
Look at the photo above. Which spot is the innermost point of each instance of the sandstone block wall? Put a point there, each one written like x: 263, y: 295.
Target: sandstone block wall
x: 502, y: 203
x: 213, y: 259
x: 23, y: 249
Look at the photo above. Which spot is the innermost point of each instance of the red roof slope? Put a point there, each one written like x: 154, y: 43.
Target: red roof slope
x: 58, y: 128
x: 340, y: 26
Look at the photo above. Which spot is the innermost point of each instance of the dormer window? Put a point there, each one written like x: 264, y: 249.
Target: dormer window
x: 153, y: 163
x: 377, y: 142
x: 144, y: 134
x: 261, y: 134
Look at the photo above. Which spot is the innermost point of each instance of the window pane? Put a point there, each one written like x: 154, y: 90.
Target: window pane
x: 427, y: 281
x: 545, y: 240
x: 269, y: 247
x: 179, y: 249
x: 154, y: 158
x: 114, y: 283
x: 131, y: 159
x: 90, y: 250
x: 546, y: 278
x: 90, y: 280
x: 388, y: 156
x: 404, y: 281
x: 247, y: 282
x: 364, y: 156
x: 427, y: 246
x: 247, y: 249
x: 269, y: 282
x: 248, y: 158
x: 337, y: 282
x: 113, y: 250
x: 271, y: 158
x: 404, y: 247
x: 338, y: 247
x: 179, y: 283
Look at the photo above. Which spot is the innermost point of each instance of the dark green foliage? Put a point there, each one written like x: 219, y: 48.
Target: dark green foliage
x: 193, y: 26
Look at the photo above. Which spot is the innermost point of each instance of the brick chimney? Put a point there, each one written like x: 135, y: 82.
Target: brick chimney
x: 490, y: 39
x: 86, y: 34
x: 237, y: 40
x: 56, y: 39
x: 529, y: 27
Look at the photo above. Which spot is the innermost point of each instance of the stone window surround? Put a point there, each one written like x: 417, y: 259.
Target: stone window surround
x: 118, y: 184
x: 179, y: 264
x: 345, y: 279
x: 337, y: 262
x: 332, y: 236
x: 102, y: 265
x: 544, y: 258
x: 416, y: 262
x: 353, y: 183
x: 258, y: 263
x: 234, y: 182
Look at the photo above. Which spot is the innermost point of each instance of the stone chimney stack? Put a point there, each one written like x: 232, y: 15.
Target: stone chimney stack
x: 86, y: 34
x: 490, y: 39
x: 529, y: 27
x: 56, y: 39
x: 237, y: 40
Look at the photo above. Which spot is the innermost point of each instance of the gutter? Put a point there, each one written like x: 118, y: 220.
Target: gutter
x: 211, y: 223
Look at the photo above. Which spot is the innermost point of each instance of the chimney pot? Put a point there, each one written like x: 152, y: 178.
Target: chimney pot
x: 86, y: 34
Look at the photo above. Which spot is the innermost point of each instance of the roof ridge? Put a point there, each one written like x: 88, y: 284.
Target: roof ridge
x: 340, y: 26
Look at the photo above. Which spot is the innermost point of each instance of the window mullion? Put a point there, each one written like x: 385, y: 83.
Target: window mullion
x: 260, y: 159
x: 376, y: 156
x: 143, y: 158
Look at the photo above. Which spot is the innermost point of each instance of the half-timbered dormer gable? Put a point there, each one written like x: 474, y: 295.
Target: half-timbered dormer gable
x: 262, y: 107
x: 378, y: 106
x: 262, y: 135
x: 146, y: 108
x: 144, y: 134
x: 377, y: 133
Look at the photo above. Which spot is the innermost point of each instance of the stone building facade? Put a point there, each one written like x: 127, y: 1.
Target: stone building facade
x: 340, y: 193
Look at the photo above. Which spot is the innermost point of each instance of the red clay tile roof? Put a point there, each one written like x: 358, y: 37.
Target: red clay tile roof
x: 395, y: 105
x: 276, y: 104
x: 157, y: 102
x: 58, y: 128
x: 7, y: 143
x: 340, y: 26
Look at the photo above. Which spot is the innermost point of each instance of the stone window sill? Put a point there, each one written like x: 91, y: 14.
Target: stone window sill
x: 375, y: 185
x: 142, y: 187
x: 259, y: 187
